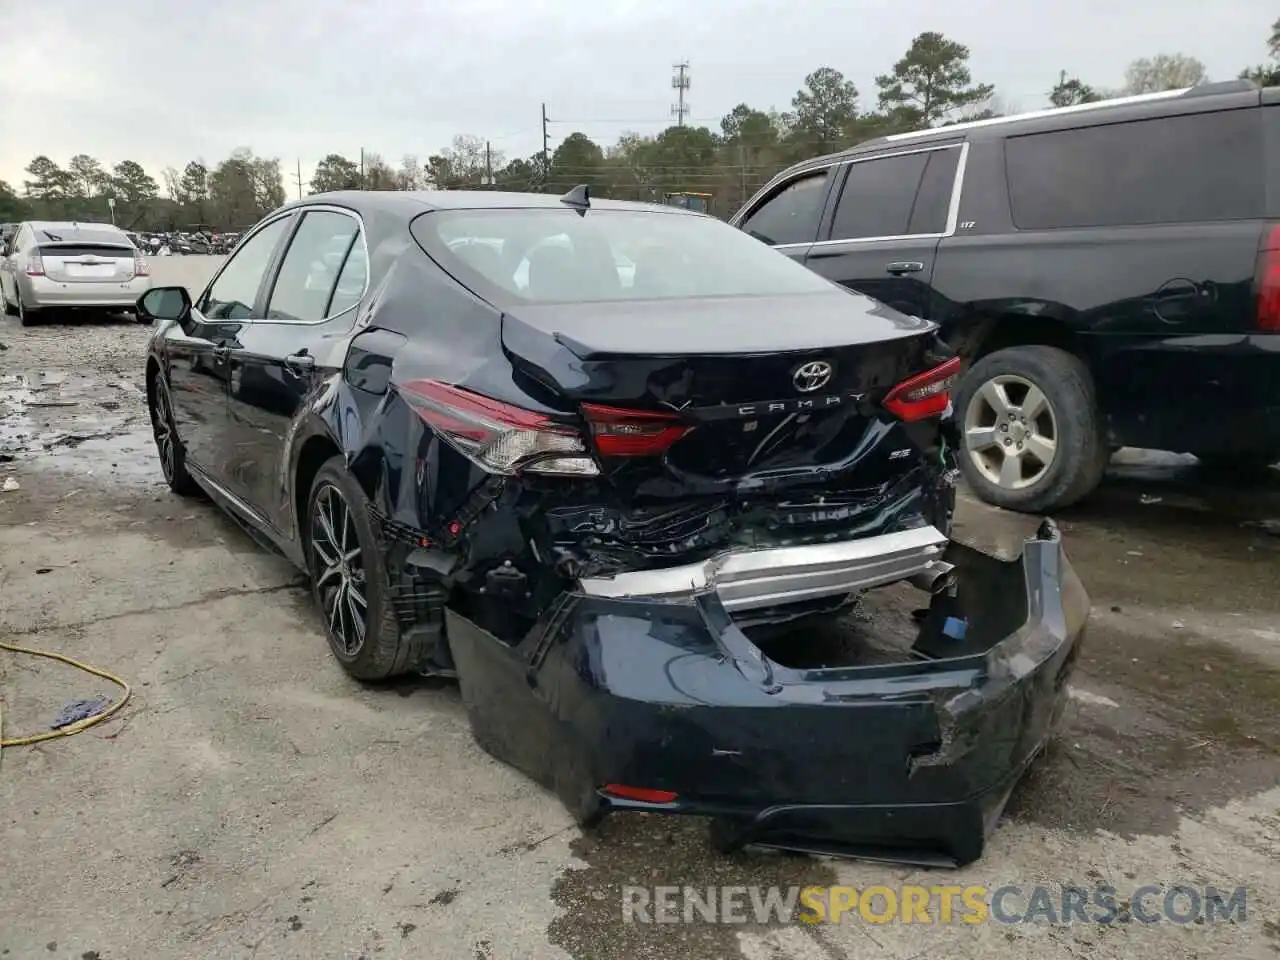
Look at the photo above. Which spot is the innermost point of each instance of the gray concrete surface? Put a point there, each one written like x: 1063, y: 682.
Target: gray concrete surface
x: 251, y: 801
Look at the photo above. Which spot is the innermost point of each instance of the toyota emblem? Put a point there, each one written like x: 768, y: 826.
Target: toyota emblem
x: 812, y: 376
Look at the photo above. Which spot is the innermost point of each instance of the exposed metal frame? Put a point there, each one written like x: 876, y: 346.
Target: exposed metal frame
x: 750, y: 579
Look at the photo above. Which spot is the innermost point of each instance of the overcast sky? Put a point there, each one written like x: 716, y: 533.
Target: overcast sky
x: 166, y: 81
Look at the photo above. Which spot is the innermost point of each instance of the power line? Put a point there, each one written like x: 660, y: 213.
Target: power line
x: 680, y: 82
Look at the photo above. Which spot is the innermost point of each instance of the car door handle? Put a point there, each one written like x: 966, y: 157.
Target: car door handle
x: 299, y: 363
x: 221, y: 353
x: 904, y: 266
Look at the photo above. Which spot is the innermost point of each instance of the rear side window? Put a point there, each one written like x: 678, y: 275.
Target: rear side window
x: 877, y: 197
x: 933, y: 199
x: 311, y: 266
x: 1202, y: 167
x: 791, y: 215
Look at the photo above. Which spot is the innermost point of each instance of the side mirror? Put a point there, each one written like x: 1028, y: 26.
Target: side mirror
x: 164, y: 303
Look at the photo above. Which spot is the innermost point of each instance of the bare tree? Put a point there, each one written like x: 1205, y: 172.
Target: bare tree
x: 1164, y: 71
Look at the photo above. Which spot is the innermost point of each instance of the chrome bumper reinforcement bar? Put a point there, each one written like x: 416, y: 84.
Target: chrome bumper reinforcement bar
x: 750, y: 579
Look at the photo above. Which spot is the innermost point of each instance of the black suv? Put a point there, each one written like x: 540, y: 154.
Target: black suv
x: 1110, y: 272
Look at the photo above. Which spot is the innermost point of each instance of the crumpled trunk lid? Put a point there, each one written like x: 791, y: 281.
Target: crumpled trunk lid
x: 777, y: 391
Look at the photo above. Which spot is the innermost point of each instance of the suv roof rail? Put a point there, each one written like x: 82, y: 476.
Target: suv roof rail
x: 1227, y: 86
x: 1241, y: 85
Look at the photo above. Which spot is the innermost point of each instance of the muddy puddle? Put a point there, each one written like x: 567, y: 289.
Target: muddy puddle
x: 75, y: 423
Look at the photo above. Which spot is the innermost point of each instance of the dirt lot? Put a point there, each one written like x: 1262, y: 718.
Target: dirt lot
x: 251, y: 801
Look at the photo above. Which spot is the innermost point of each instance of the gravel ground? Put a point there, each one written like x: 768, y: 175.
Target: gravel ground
x: 251, y: 801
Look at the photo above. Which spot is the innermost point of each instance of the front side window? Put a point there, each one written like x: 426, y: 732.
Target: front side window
x: 791, y: 215
x: 309, y: 271
x: 549, y: 255
x: 1186, y: 169
x: 232, y: 294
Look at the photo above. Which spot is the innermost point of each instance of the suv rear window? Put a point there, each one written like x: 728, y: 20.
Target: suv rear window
x: 549, y: 255
x: 1186, y: 169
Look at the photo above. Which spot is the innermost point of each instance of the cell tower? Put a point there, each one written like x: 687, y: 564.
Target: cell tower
x: 680, y: 83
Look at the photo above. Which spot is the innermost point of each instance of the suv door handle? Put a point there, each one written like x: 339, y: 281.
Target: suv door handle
x: 904, y: 266
x: 299, y: 363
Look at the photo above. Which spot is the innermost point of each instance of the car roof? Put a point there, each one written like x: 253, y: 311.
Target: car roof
x: 72, y: 225
x: 412, y: 202
x: 1223, y: 95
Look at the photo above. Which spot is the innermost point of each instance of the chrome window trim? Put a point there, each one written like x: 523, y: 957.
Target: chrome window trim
x: 364, y: 243
x: 953, y: 210
x: 283, y: 214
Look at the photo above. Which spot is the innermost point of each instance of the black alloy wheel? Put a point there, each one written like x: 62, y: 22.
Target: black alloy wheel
x: 339, y: 571
x: 350, y: 581
x: 168, y: 445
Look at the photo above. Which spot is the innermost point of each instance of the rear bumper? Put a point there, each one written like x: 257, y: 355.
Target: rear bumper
x: 909, y: 761
x: 41, y: 293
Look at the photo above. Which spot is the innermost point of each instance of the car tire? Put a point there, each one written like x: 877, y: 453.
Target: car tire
x: 26, y: 316
x: 173, y: 457
x: 1065, y: 411
x: 365, y: 638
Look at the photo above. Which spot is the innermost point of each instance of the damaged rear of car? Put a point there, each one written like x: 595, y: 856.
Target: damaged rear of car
x: 616, y: 467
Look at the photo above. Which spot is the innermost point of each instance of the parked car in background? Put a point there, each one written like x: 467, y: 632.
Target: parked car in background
x: 1110, y: 273
x: 49, y: 266
x: 565, y: 450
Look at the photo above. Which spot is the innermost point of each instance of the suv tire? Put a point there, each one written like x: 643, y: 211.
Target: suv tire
x: 1050, y: 409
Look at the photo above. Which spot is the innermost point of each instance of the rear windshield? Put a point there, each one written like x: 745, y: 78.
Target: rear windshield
x: 116, y: 249
x: 559, y: 256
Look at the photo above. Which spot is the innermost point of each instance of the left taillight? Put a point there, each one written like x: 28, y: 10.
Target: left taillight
x: 925, y: 395
x: 499, y: 437
x: 35, y: 265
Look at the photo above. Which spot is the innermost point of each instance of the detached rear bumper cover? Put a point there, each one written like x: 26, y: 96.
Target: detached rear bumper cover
x: 908, y: 761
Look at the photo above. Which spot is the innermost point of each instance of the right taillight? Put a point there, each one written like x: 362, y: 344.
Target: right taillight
x: 925, y: 395
x: 35, y: 265
x: 499, y: 437
x: 140, y: 268
x: 1268, y: 282
x: 620, y: 432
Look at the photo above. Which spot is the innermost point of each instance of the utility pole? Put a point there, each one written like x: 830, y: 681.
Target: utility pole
x: 298, y: 178
x: 546, y: 157
x: 488, y: 166
x: 362, y: 168
x: 680, y: 82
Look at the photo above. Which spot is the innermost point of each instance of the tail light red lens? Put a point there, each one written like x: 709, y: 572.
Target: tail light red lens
x: 925, y: 395
x: 499, y: 437
x: 618, y: 432
x: 643, y: 794
x: 1268, y: 283
x: 140, y: 268
x: 35, y: 265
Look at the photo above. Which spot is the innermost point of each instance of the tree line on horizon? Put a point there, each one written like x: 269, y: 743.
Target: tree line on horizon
x: 929, y: 86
